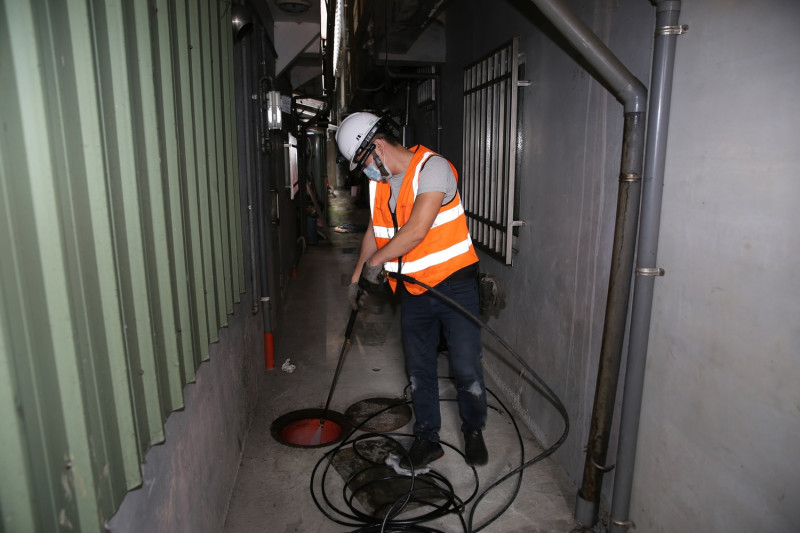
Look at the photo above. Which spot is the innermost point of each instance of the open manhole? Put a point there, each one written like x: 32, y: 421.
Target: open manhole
x: 379, y: 415
x: 310, y: 428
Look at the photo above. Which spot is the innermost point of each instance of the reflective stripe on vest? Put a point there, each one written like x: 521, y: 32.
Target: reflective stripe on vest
x: 382, y: 232
x: 447, y: 246
x: 410, y: 267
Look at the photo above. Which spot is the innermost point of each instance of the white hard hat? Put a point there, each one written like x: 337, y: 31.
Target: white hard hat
x: 354, y: 136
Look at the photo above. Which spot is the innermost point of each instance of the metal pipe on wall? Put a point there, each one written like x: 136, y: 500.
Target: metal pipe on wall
x: 405, y: 117
x: 632, y: 94
x: 263, y: 256
x: 667, y: 31
x: 248, y: 161
x: 436, y: 84
x: 264, y: 142
x: 628, y: 90
x: 619, y: 290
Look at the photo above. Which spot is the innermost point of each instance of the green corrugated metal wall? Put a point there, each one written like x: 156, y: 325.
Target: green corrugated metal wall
x: 120, y: 240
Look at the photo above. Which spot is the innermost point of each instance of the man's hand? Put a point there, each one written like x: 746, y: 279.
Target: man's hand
x: 356, y: 296
x: 372, y: 274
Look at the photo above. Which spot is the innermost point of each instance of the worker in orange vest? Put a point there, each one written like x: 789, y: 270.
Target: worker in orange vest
x: 418, y: 228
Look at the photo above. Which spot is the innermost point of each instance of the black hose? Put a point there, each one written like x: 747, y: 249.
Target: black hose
x: 544, y: 389
x: 434, y: 481
x: 418, y: 493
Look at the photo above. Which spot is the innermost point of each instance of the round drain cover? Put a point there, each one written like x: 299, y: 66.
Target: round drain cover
x: 308, y: 429
x: 379, y: 415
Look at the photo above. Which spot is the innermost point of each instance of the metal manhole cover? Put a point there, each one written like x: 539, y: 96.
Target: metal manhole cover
x: 379, y: 415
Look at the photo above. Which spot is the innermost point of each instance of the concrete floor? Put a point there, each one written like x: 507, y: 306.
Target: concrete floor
x: 272, y: 491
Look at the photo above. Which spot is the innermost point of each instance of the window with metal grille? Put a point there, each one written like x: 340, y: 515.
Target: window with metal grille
x: 488, y: 176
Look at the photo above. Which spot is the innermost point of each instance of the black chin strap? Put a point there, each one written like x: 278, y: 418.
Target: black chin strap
x: 378, y: 163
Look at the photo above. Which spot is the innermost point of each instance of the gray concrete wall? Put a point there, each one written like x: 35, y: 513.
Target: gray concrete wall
x: 720, y: 417
x: 571, y: 137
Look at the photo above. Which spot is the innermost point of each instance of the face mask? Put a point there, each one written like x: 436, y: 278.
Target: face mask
x: 372, y: 172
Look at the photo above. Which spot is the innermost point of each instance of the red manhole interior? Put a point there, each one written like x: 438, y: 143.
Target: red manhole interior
x: 309, y: 432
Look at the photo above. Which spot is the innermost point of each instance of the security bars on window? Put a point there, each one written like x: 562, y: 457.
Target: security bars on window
x: 490, y: 149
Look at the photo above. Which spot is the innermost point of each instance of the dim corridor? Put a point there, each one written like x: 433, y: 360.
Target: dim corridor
x: 272, y: 491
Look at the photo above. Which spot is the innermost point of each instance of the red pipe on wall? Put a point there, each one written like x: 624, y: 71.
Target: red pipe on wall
x: 269, y: 351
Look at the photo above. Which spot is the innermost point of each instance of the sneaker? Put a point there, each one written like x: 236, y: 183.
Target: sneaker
x: 422, y: 452
x: 475, y: 448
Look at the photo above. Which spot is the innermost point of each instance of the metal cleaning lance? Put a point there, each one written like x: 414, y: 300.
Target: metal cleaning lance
x: 316, y: 438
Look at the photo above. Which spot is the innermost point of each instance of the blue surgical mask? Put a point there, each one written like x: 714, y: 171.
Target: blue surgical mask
x: 372, y: 172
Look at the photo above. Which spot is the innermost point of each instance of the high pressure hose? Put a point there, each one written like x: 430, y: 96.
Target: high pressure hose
x: 420, y: 487
x: 543, y: 389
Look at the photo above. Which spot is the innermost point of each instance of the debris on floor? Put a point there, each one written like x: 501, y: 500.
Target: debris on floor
x: 350, y: 228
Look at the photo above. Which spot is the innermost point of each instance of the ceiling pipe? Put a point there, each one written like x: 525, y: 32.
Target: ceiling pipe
x: 666, y: 34
x: 632, y: 94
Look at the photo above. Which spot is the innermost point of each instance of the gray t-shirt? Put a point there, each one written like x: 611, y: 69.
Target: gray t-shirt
x: 435, y: 176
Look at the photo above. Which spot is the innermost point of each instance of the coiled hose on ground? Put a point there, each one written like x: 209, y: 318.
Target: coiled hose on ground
x: 421, y: 487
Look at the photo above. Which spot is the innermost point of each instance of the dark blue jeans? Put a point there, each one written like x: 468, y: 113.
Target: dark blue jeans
x: 422, y: 319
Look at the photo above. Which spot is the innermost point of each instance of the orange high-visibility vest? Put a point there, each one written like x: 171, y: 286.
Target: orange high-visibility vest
x: 446, y: 248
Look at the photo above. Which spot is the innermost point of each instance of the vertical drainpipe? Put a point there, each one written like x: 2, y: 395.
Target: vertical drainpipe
x: 438, y: 95
x: 632, y: 94
x: 263, y: 197
x: 248, y: 160
x: 264, y: 141
x: 619, y: 289
x: 405, y: 118
x: 667, y: 31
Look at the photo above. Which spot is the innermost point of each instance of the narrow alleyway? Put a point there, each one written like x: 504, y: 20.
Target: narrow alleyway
x: 273, y: 488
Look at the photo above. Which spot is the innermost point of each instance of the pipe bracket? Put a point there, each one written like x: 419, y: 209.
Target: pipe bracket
x: 642, y: 271
x: 630, y: 178
x: 601, y: 468
x: 672, y: 30
x: 628, y: 524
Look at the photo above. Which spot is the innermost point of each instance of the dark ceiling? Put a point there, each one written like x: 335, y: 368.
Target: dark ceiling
x: 394, y: 39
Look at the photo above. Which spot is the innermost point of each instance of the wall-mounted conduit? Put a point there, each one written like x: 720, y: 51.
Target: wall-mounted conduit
x: 632, y: 94
x: 666, y: 35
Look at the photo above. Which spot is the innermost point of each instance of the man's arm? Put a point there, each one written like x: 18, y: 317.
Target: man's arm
x: 426, y: 207
x: 368, y: 248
